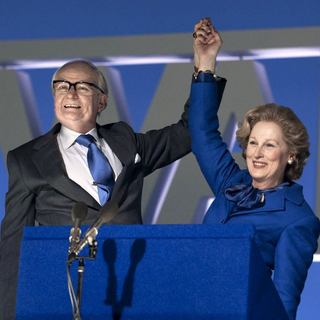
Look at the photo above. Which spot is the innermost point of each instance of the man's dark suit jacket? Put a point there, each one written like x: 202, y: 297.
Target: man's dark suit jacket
x: 41, y: 192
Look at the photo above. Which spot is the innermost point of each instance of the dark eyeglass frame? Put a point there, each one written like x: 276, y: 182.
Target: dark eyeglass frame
x: 74, y: 84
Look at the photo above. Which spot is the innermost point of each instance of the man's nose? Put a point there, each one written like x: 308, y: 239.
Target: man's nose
x: 72, y: 90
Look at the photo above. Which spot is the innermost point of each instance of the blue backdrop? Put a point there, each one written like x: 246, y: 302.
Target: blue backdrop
x: 294, y: 82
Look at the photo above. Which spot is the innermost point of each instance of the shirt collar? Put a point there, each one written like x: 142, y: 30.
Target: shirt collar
x: 68, y: 136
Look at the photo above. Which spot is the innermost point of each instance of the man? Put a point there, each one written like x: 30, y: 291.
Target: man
x: 49, y: 174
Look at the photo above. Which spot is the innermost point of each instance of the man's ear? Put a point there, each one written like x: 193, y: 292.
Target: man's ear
x: 103, y: 99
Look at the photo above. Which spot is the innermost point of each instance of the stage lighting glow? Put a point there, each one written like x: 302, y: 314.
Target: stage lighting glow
x: 258, y: 54
x: 281, y: 53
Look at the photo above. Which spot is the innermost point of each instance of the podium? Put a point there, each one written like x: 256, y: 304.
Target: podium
x: 150, y: 272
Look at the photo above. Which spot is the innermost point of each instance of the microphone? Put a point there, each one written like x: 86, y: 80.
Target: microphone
x: 107, y: 213
x: 78, y: 213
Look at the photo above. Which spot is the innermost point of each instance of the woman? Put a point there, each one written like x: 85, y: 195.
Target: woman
x: 275, y: 147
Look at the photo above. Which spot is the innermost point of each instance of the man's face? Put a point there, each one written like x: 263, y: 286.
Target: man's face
x: 74, y: 110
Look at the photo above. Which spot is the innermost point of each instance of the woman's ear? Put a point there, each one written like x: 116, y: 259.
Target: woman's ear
x: 291, y: 158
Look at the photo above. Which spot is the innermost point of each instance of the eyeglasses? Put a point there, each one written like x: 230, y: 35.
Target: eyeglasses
x: 81, y: 87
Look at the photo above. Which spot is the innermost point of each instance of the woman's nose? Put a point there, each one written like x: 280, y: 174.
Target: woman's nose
x: 258, y: 153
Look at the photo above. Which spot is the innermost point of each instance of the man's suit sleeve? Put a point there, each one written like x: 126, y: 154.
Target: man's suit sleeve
x: 159, y: 148
x: 20, y: 209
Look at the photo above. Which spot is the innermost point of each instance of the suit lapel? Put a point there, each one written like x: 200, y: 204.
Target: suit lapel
x: 47, y: 158
x: 126, y: 153
x: 119, y: 144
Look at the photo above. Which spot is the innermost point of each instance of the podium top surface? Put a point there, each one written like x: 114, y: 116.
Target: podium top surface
x: 147, y: 231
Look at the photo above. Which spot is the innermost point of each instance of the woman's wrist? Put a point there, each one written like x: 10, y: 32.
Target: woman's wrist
x: 204, y: 65
x: 207, y: 67
x: 204, y: 74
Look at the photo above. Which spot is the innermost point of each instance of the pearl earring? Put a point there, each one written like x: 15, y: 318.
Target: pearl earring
x: 290, y: 161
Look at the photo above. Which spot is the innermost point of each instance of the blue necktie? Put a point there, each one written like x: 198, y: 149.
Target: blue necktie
x: 99, y: 166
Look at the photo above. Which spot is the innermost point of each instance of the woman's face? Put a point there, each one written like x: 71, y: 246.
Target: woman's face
x: 267, y: 155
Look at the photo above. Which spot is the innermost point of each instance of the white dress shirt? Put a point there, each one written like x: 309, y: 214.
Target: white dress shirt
x: 75, y: 159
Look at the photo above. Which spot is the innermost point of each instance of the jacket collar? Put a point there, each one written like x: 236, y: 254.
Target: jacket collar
x: 48, y: 159
x: 274, y: 200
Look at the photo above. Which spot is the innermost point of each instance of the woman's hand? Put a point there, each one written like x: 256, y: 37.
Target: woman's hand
x: 206, y: 45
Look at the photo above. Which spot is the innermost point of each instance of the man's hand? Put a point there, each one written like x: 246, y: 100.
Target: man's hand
x: 207, y: 43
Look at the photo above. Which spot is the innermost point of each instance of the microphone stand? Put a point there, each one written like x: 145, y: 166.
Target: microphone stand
x: 80, y: 272
x: 108, y: 212
x: 80, y: 280
x: 76, y: 299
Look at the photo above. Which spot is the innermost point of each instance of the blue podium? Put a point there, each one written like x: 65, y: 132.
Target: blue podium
x: 150, y: 272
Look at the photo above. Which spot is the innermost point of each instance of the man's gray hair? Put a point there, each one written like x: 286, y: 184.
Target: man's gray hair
x: 102, y: 82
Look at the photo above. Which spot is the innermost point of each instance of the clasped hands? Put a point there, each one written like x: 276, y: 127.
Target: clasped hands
x: 206, y: 44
